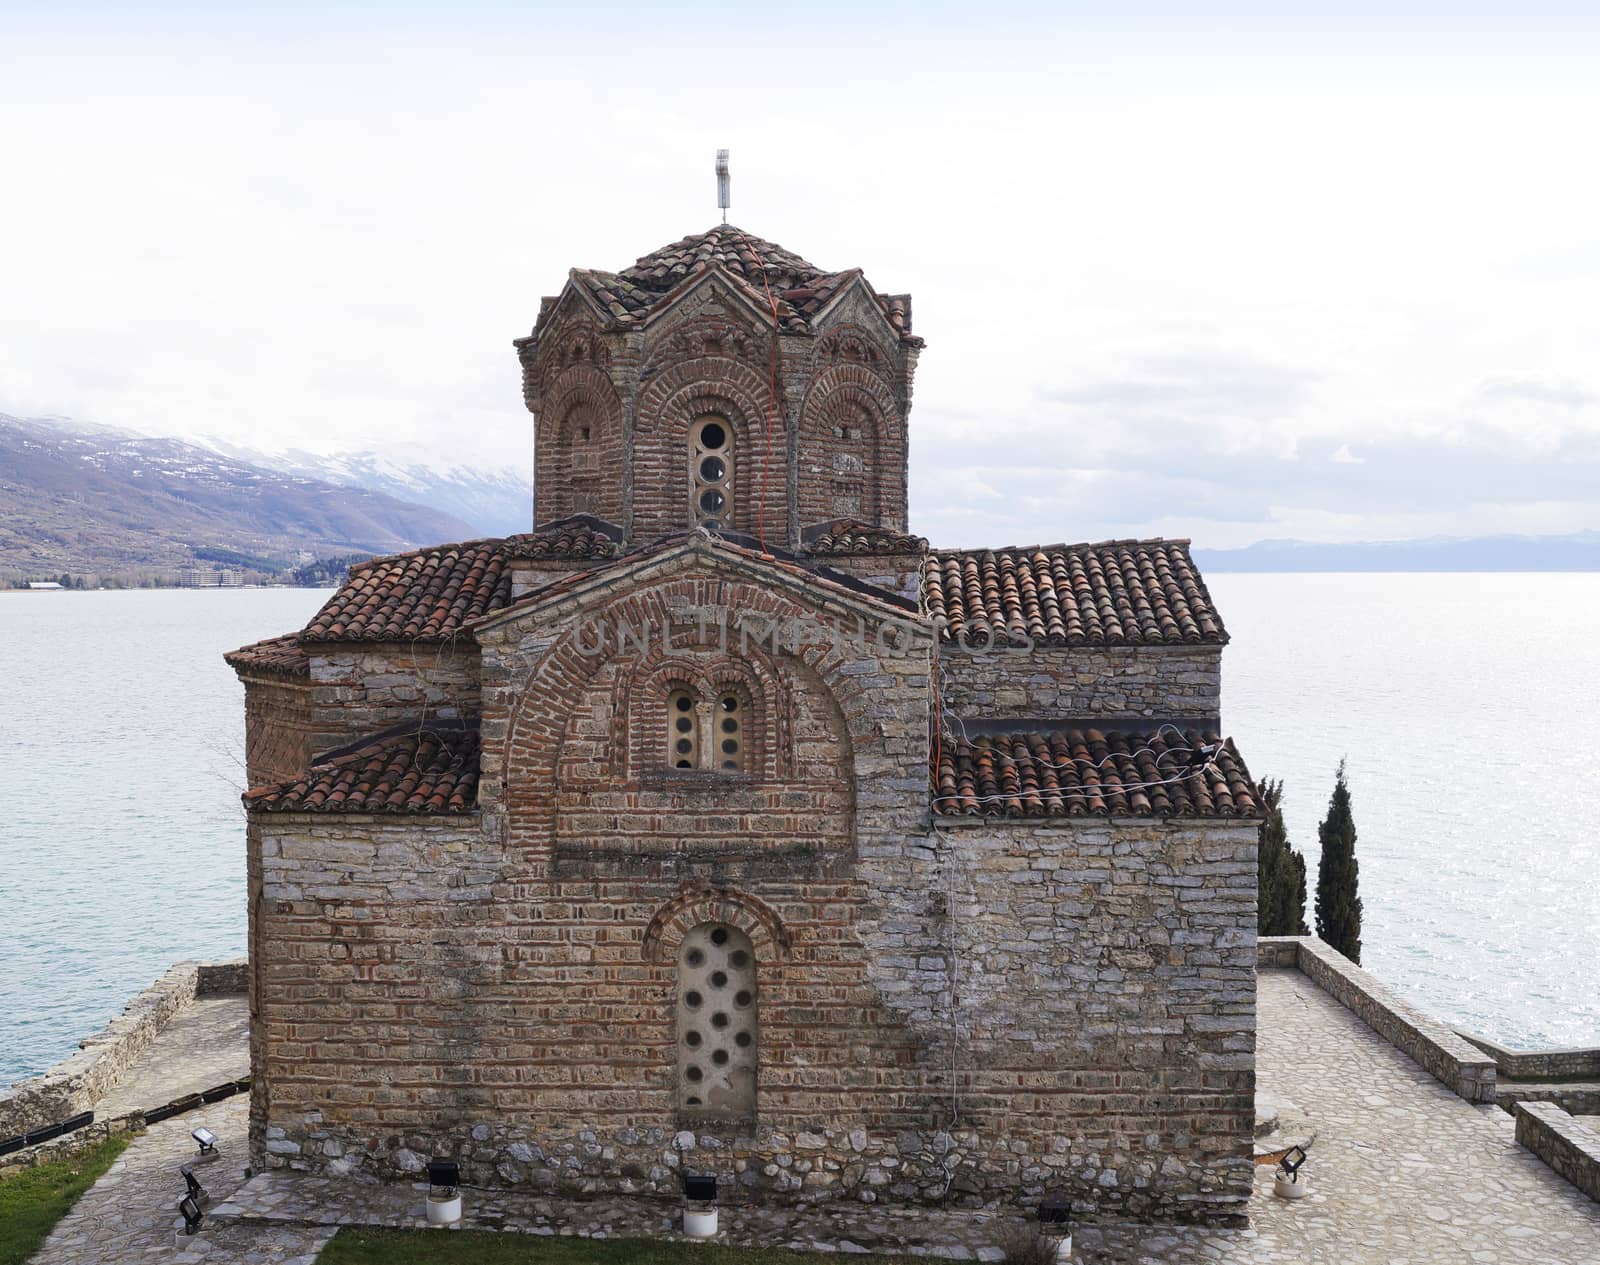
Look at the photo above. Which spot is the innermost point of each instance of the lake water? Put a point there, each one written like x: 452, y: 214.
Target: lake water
x: 1464, y: 704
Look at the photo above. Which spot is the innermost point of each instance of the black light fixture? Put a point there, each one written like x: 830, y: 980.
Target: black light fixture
x: 192, y: 1215
x: 197, y: 1192
x: 1290, y: 1182
x: 1054, y: 1210
x: 444, y: 1192
x: 699, y: 1205
x: 206, y: 1139
x: 699, y: 1188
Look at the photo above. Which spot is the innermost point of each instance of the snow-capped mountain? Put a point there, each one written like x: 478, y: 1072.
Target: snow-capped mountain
x: 494, y: 501
x: 94, y: 500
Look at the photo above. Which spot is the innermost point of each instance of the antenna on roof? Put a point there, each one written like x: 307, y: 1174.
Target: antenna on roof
x: 723, y: 196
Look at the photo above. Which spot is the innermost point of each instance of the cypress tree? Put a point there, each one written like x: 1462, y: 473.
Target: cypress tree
x: 1280, y: 872
x: 1338, y: 897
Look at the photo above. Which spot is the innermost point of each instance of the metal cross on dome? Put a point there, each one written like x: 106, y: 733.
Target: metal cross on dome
x: 723, y: 181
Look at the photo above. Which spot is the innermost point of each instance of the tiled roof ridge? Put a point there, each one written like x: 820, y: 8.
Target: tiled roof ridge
x: 1086, y: 771
x: 799, y: 288
x: 660, y: 263
x: 858, y: 536
x: 427, y: 766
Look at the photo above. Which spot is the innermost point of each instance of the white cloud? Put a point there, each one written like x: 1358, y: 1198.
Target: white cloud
x: 1148, y: 258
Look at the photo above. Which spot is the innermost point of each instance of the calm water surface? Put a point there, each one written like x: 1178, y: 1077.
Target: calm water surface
x: 121, y: 763
x: 1464, y: 704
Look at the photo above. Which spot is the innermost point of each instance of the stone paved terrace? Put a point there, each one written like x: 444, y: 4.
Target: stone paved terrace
x: 1402, y: 1173
x: 204, y: 1044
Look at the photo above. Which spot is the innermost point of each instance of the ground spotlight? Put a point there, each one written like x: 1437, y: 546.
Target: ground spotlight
x: 206, y: 1139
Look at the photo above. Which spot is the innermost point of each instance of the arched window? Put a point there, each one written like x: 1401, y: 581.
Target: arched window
x: 711, y: 471
x: 717, y: 1024
x: 683, y: 731
x: 705, y: 737
x: 728, y: 720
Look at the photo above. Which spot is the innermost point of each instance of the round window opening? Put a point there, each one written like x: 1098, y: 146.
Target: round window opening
x: 713, y: 436
x: 712, y: 469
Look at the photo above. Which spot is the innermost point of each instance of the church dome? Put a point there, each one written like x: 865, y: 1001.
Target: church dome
x: 800, y: 289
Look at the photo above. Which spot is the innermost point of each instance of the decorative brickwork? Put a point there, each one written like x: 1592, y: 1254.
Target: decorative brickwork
x: 579, y: 448
x: 623, y: 846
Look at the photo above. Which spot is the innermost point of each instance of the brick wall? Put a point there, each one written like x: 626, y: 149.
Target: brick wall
x: 1162, y: 682
x: 503, y: 987
x: 830, y: 442
x: 280, y: 728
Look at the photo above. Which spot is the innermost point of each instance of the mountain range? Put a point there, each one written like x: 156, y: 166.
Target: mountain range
x: 494, y: 502
x: 91, y: 500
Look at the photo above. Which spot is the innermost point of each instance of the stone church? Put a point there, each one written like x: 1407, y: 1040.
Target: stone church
x: 719, y: 824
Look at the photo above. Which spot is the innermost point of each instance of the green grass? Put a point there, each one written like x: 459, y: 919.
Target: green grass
x: 481, y: 1247
x: 36, y: 1198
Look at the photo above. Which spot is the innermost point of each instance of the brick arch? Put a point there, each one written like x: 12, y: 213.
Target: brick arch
x: 641, y: 691
x: 851, y: 395
x: 699, y: 902
x: 537, y: 719
x: 573, y: 478
x: 676, y: 396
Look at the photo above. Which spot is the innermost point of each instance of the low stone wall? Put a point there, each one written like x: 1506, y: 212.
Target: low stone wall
x: 1573, y: 1064
x: 1568, y: 1144
x: 1579, y: 1100
x: 68, y: 1144
x: 77, y: 1083
x: 1455, y: 1063
x: 1278, y: 951
x: 223, y: 979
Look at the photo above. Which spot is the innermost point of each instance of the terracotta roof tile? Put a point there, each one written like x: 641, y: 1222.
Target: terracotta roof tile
x: 1120, y: 592
x: 1084, y: 772
x: 578, y: 538
x: 800, y: 289
x: 852, y: 536
x: 431, y: 594
x: 276, y: 656
x: 411, y: 770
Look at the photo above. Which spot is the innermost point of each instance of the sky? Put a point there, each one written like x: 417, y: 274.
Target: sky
x: 1231, y: 272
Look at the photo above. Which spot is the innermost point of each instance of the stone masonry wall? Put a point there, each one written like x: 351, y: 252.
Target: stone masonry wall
x: 898, y: 573
x: 976, y: 1014
x: 1095, y: 1055
x: 357, y: 691
x: 1160, y: 682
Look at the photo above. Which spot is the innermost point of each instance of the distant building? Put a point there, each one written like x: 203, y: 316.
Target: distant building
x: 44, y: 584
x: 719, y: 823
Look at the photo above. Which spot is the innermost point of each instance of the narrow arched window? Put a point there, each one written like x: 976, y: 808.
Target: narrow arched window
x: 728, y: 724
x: 717, y: 1024
x: 705, y: 733
x: 683, y: 731
x: 711, y: 471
